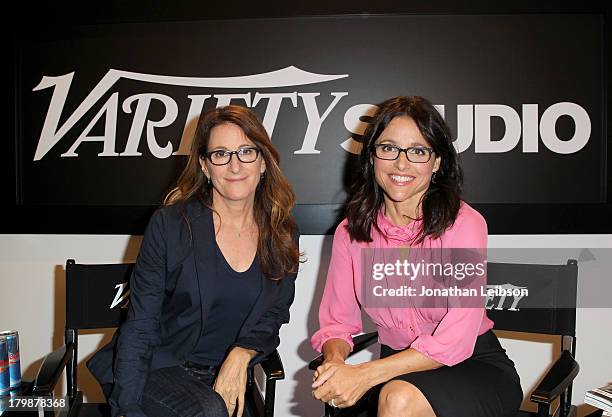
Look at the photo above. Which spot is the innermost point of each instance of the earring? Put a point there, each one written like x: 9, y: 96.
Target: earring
x: 433, y: 177
x: 261, y: 181
x: 209, y: 181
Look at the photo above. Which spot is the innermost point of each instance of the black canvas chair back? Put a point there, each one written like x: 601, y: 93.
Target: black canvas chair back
x: 96, y: 295
x: 549, y: 307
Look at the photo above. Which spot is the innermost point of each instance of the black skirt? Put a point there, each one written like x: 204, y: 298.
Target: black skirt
x: 484, y: 385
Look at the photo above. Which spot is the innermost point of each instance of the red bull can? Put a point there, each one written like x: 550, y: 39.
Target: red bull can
x: 14, y: 364
x: 5, y: 380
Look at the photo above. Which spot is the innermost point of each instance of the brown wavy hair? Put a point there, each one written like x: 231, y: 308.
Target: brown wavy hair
x: 274, y: 198
x: 440, y: 203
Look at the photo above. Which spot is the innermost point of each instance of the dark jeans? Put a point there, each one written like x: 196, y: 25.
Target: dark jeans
x: 182, y: 391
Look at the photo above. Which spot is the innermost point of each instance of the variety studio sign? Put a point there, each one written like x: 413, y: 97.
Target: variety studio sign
x: 525, y: 127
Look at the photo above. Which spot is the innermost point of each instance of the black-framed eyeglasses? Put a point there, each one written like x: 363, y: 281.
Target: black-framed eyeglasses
x: 223, y: 157
x: 416, y: 154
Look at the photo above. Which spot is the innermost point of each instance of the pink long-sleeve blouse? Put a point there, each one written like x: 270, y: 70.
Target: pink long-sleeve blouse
x: 447, y: 335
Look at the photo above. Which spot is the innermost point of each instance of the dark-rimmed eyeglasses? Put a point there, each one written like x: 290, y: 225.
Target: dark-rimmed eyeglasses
x: 416, y: 154
x: 223, y: 157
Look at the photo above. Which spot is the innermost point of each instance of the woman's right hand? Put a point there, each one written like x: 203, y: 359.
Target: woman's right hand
x: 231, y: 381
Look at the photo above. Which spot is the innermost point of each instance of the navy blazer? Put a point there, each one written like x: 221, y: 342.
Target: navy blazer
x: 171, y: 293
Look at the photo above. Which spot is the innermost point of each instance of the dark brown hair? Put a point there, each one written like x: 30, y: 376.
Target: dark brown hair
x: 440, y: 203
x: 274, y: 198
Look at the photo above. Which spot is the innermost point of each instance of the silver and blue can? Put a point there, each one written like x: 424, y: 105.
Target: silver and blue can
x: 5, y: 384
x: 5, y: 379
x: 14, y: 363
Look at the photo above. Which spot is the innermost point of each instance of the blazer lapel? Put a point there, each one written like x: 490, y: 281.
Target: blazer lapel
x: 203, y: 233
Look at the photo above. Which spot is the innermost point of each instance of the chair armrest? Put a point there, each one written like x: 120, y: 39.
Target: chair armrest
x: 363, y: 341
x: 359, y: 343
x: 273, y: 367
x: 557, y: 379
x: 51, y: 370
x: 315, y: 363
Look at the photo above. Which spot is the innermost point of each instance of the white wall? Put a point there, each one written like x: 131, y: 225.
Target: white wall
x: 32, y: 302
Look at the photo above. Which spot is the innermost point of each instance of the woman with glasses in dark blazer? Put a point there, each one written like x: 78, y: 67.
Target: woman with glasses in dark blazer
x: 437, y: 358
x: 213, y: 281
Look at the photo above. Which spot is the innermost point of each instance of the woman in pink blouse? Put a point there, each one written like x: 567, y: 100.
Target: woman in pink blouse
x: 435, y: 361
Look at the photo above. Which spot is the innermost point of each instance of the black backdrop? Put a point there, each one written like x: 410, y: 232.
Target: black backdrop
x: 511, y: 55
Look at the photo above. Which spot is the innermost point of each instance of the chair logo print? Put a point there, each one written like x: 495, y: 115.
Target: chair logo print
x: 518, y: 294
x: 122, y: 293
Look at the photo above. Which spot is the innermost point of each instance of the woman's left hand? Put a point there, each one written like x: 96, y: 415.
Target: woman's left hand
x: 232, y: 378
x: 344, y: 384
